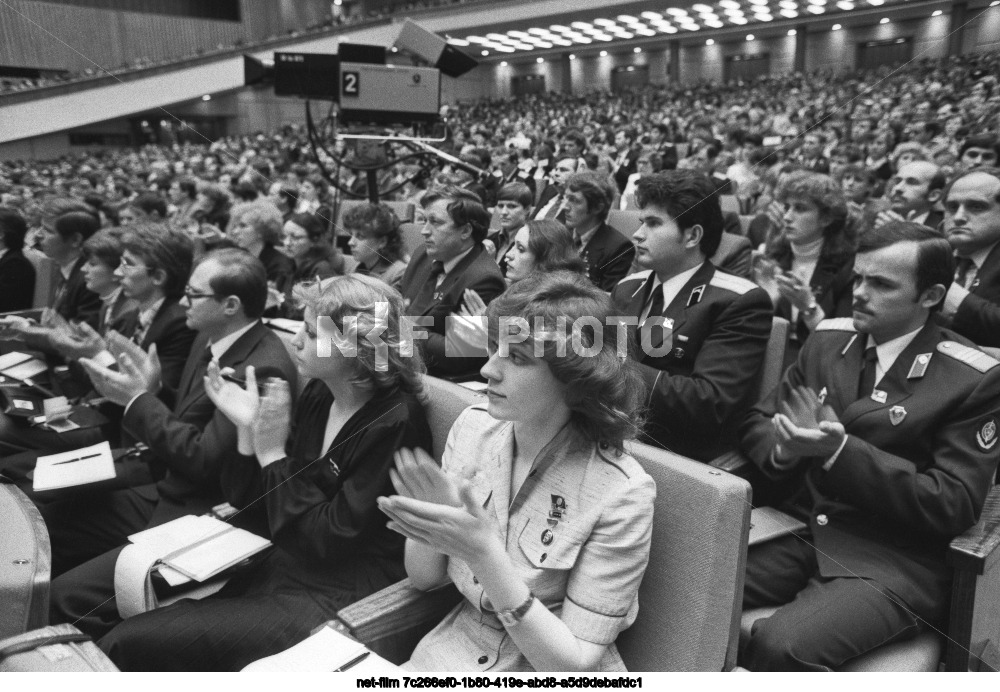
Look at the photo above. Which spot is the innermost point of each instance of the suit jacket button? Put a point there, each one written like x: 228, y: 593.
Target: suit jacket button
x: 822, y: 519
x: 483, y: 659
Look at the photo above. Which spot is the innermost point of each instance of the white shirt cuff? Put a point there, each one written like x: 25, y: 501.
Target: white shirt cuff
x: 131, y: 401
x: 953, y: 300
x: 829, y: 462
x: 104, y: 359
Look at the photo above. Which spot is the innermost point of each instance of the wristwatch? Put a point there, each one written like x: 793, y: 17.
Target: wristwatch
x: 509, y: 618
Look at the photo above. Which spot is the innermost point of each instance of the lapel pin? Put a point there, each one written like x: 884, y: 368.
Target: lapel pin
x: 822, y: 395
x: 878, y: 396
x: 986, y: 437
x: 897, y: 414
x: 547, y: 537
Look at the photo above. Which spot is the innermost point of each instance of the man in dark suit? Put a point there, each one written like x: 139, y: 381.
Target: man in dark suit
x: 451, y: 261
x: 194, y: 444
x: 67, y: 224
x: 512, y: 211
x: 607, y: 252
x: 17, y: 275
x: 552, y: 199
x: 972, y: 224
x: 887, y: 424
x: 703, y: 364
x: 811, y: 154
x: 913, y: 193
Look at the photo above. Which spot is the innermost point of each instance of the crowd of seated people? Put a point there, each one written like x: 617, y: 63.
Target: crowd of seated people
x: 879, y: 241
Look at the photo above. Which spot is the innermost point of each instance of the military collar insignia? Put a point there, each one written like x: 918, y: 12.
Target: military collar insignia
x: 919, y: 367
x: 696, y: 293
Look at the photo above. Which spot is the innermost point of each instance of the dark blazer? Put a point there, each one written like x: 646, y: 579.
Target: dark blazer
x: 916, y: 467
x: 978, y: 317
x: 17, y: 281
x: 832, y: 283
x: 608, y: 255
x: 75, y: 301
x: 477, y: 271
x: 820, y: 164
x: 704, y: 385
x: 170, y: 333
x: 195, y: 443
x: 627, y: 168
x: 548, y: 192
x: 280, y: 267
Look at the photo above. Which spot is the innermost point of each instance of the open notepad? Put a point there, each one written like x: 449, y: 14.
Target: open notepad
x: 199, y: 547
x: 326, y: 651
x: 21, y: 366
x: 77, y: 467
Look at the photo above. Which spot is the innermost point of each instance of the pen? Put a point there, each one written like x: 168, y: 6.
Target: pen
x: 353, y: 662
x: 70, y: 461
x: 271, y: 325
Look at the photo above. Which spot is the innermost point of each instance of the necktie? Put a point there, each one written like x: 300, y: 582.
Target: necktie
x: 656, y: 303
x: 866, y: 383
x: 426, y: 293
x: 195, y: 375
x: 962, y: 271
x: 577, y: 242
x: 555, y: 208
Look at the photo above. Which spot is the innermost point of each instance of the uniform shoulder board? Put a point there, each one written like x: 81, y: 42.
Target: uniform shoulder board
x: 837, y: 324
x: 638, y: 276
x: 972, y: 357
x: 730, y: 282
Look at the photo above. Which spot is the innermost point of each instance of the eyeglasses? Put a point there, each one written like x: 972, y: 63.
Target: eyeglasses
x: 193, y: 295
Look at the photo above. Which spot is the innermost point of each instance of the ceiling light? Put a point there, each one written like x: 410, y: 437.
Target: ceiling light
x: 846, y: 5
x: 710, y: 42
x: 654, y: 16
x: 791, y: 14
x: 764, y: 18
x: 676, y: 11
x: 604, y: 53
x: 496, y: 37
x: 637, y: 49
x: 627, y: 19
x: 624, y: 34
x: 543, y: 44
x: 561, y: 42
x: 761, y: 3
x: 995, y: 3
x: 884, y: 20
x: 581, y: 39
x: 936, y: 13
x: 560, y: 28
x: 816, y: 9
x: 788, y: 4
x: 572, y: 56
x: 539, y: 60
x: 836, y: 27
x: 484, y: 53
x: 701, y: 8
x: 750, y: 37
x: 458, y: 42
x: 475, y: 39
x: 792, y: 32
x: 730, y: 4
x: 714, y: 24
x: 504, y: 49
x: 876, y: 3
x: 604, y: 22
x: 581, y: 25
x: 503, y: 63
x: 206, y: 97
x: 738, y: 20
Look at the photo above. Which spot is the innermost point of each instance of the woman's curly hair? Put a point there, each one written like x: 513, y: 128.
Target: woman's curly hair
x: 374, y: 305
x: 604, y: 391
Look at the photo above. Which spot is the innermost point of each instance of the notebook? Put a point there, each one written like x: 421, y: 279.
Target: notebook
x: 76, y: 467
x: 768, y: 523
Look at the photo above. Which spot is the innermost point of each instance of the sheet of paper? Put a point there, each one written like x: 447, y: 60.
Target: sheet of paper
x: 178, y: 533
x: 76, y: 467
x: 9, y: 360
x: 21, y: 366
x: 325, y: 651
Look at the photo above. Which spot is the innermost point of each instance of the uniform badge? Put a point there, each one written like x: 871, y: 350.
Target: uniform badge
x: 557, y: 510
x: 438, y: 295
x: 822, y: 395
x: 547, y: 537
x: 919, y: 367
x: 850, y: 342
x: 677, y: 353
x: 878, y: 396
x: 986, y: 438
x: 696, y: 294
x: 897, y: 414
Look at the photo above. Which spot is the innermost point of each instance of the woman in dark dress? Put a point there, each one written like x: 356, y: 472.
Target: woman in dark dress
x: 332, y: 546
x: 306, y: 242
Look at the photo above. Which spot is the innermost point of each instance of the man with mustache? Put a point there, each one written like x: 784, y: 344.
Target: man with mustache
x: 887, y: 427
x: 972, y: 223
x: 913, y: 193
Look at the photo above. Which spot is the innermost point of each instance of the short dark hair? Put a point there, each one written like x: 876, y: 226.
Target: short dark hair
x: 982, y: 140
x: 243, y: 276
x: 162, y: 248
x: 859, y: 172
x: 935, y: 257
x: 596, y: 190
x: 552, y: 245
x: 516, y: 192
x: 57, y: 206
x: 84, y: 223
x: 13, y: 228
x: 690, y: 198
x: 106, y: 246
x: 148, y: 203
x: 376, y: 221
x: 577, y: 137
x: 310, y: 223
x: 464, y: 207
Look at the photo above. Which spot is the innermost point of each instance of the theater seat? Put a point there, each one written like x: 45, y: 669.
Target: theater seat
x: 25, y: 562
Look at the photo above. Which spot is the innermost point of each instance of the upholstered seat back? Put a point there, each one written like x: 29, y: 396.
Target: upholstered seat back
x: 25, y: 560
x: 691, y: 595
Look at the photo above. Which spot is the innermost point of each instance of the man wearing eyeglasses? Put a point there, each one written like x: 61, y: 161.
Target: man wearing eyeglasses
x: 190, y: 441
x: 972, y: 225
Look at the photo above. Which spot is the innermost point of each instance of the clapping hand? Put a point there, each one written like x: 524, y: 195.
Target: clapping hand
x: 138, y: 371
x: 794, y: 290
x: 77, y: 340
x: 418, y: 477
x: 239, y: 404
x: 472, y: 304
x: 272, y: 425
x: 807, y: 427
x: 885, y: 216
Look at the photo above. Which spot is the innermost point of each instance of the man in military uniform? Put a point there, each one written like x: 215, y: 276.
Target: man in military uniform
x: 704, y: 363
x: 888, y: 426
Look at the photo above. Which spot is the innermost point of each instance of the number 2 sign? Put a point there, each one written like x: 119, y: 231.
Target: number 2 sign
x: 350, y: 84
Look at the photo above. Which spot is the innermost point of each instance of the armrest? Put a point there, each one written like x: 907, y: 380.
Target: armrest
x: 973, y: 641
x: 400, y: 611
x: 732, y: 461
